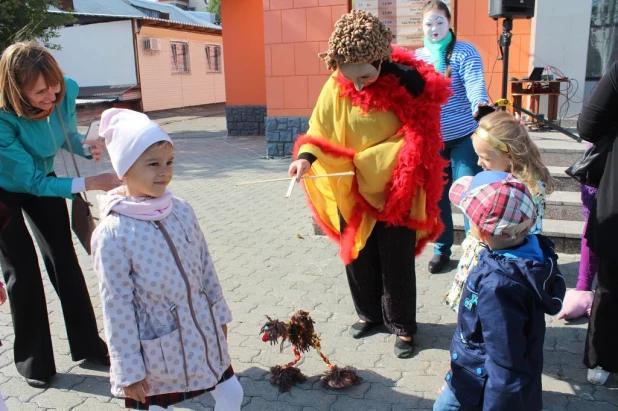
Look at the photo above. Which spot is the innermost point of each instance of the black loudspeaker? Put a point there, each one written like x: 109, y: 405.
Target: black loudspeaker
x: 512, y: 9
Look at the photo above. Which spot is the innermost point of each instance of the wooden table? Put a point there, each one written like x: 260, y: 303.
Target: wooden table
x: 536, y: 89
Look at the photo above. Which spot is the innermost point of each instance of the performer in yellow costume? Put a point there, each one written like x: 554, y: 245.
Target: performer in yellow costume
x: 379, y: 116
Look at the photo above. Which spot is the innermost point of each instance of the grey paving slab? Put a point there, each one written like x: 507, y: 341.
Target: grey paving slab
x: 271, y: 263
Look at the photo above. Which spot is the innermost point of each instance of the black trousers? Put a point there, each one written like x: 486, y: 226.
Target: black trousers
x: 602, y: 331
x: 383, y: 279
x: 49, y: 220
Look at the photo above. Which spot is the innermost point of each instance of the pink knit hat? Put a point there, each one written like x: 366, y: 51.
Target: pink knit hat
x: 127, y: 135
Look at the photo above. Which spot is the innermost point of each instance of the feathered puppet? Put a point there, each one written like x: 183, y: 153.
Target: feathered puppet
x: 301, y: 334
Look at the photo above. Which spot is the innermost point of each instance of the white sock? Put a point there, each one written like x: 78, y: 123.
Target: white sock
x: 157, y: 408
x: 228, y: 395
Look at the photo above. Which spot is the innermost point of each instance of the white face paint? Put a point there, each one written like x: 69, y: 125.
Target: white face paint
x: 435, y: 25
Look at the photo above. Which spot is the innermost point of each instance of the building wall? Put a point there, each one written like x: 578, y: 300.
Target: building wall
x: 561, y: 32
x: 243, y: 40
x: 295, y: 31
x: 97, y: 54
x: 162, y: 89
x: 245, y: 82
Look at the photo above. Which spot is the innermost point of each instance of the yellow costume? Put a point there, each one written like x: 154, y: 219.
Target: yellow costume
x: 391, y: 140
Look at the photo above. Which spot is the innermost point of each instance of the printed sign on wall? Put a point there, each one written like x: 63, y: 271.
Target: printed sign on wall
x: 403, y: 17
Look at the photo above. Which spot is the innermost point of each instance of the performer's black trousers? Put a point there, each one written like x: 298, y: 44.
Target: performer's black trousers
x: 383, y: 279
x: 602, y: 335
x: 49, y: 220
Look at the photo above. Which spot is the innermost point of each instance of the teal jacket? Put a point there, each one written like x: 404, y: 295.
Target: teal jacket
x: 28, y: 148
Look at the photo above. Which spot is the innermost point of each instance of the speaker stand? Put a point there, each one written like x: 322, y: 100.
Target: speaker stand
x: 505, y: 43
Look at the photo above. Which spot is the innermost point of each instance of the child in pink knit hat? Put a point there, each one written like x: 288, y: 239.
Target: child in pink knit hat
x: 163, y: 306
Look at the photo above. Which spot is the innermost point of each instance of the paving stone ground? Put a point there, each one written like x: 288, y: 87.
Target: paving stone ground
x: 271, y: 263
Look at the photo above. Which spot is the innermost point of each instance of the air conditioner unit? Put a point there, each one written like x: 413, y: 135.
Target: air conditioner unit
x: 152, y: 44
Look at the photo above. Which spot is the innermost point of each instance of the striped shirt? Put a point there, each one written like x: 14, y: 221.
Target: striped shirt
x: 468, y: 90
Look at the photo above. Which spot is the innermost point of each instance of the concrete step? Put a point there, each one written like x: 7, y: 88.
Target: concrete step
x: 561, y: 205
x: 566, y: 235
x: 562, y: 181
x: 564, y: 205
x: 557, y: 149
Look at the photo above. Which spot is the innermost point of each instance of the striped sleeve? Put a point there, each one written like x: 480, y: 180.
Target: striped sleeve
x: 473, y: 77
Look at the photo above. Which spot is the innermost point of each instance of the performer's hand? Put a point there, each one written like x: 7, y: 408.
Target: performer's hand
x: 137, y: 391
x: 299, y: 168
x: 483, y: 110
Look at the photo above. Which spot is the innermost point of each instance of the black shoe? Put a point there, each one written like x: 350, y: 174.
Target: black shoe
x: 103, y: 361
x: 38, y: 383
x: 404, y: 349
x: 360, y: 329
x: 437, y: 263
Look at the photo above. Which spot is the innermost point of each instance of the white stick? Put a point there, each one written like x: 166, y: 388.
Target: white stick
x: 345, y: 173
x: 290, y: 188
x: 272, y: 180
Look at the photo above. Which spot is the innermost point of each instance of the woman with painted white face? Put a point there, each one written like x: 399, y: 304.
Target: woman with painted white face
x: 37, y: 108
x: 460, y: 62
x: 378, y: 116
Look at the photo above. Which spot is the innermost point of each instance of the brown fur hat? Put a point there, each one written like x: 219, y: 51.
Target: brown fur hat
x: 359, y: 37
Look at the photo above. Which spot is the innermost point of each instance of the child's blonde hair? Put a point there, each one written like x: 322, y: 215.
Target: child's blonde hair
x: 510, y: 138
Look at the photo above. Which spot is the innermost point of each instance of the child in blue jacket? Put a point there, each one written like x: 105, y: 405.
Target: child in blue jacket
x: 497, y: 350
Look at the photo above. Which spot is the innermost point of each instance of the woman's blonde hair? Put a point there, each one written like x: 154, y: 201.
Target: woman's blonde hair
x: 21, y: 65
x: 359, y: 37
x: 501, y: 130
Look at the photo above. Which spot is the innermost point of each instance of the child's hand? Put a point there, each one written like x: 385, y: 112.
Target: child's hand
x: 2, y: 295
x: 137, y: 391
x: 576, y: 304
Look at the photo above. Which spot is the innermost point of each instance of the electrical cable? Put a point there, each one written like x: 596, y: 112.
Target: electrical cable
x: 491, y: 74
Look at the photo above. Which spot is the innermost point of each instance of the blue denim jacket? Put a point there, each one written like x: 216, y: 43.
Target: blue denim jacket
x: 497, y: 350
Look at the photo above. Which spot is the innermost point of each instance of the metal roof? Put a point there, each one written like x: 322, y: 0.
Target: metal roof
x: 106, y: 7
x: 83, y: 102
x: 175, y: 13
x: 203, y: 15
x: 104, y: 90
x: 126, y: 9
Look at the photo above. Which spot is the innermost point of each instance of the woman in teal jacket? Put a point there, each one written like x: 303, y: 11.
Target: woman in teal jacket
x: 34, y: 97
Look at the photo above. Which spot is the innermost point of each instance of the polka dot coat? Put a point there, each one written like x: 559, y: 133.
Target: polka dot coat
x: 160, y: 323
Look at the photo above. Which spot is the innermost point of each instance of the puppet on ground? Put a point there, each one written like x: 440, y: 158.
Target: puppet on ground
x: 300, y: 333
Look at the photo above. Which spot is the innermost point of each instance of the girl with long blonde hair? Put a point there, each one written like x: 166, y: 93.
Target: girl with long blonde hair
x: 503, y: 144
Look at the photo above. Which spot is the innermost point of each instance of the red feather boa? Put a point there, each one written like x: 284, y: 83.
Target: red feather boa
x: 419, y: 161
